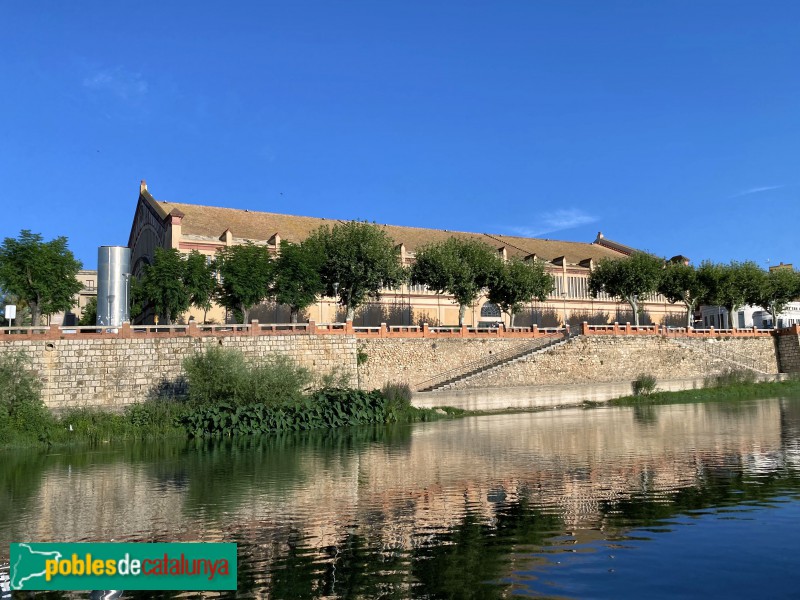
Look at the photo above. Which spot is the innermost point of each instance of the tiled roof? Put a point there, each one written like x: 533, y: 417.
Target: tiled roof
x: 210, y: 222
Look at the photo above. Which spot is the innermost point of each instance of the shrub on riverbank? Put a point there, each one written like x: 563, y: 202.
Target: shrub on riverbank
x: 326, y: 408
x: 22, y: 412
x: 222, y: 375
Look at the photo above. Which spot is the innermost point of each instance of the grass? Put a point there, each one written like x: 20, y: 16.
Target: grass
x: 719, y: 393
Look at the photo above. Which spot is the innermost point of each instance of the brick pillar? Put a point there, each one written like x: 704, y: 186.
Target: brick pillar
x: 254, y: 329
x: 426, y: 332
x: 463, y: 331
x: 125, y: 331
x: 616, y: 328
x: 584, y: 328
x: 627, y: 328
x: 53, y: 333
x: 312, y: 327
x: 384, y: 332
x: 535, y: 330
x: 191, y: 330
x: 348, y: 327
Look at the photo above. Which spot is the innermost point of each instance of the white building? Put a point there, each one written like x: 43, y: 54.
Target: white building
x: 747, y: 316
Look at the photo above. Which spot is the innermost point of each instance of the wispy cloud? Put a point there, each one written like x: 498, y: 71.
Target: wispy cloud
x: 757, y: 190
x: 118, y: 81
x: 556, y: 221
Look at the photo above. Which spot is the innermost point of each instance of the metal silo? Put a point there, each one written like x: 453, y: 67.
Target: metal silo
x: 113, y: 284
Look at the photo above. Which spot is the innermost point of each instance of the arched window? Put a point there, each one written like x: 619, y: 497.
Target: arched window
x: 490, y: 310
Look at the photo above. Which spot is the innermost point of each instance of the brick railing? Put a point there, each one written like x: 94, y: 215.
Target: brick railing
x: 195, y: 330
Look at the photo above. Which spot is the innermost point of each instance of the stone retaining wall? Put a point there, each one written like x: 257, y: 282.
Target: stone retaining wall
x: 115, y: 372
x: 622, y: 358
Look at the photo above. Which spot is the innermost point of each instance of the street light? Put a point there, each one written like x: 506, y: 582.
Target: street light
x: 335, y: 294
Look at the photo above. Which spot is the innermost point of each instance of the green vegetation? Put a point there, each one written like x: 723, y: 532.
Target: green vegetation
x: 516, y: 282
x: 629, y: 279
x: 39, y: 274
x: 360, y: 259
x: 644, y: 385
x: 226, y: 396
x: 221, y: 375
x: 681, y: 283
x: 246, y: 272
x: 162, y: 285
x: 461, y: 268
x: 25, y: 421
x: 297, y: 277
x: 200, y: 281
x: 89, y: 316
x: 725, y: 391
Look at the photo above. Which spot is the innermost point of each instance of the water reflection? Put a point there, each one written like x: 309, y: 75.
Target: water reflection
x: 477, y: 507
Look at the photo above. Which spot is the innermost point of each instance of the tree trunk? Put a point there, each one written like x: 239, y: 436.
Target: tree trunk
x: 351, y: 313
x: 635, y: 308
x: 293, y: 314
x: 511, y: 319
x: 688, y: 316
x: 167, y: 320
x: 205, y: 315
x: 35, y: 314
x: 462, y: 309
x: 245, y: 314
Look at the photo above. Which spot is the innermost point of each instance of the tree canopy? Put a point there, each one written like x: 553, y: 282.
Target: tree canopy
x: 297, y: 281
x: 200, y: 281
x: 360, y: 259
x: 627, y: 279
x: 462, y: 268
x: 775, y: 290
x: 162, y: 285
x: 40, y: 274
x: 515, y: 282
x: 246, y: 272
x: 730, y: 285
x: 681, y: 283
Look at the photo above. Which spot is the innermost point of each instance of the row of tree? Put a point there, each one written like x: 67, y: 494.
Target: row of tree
x: 729, y: 285
x: 352, y: 262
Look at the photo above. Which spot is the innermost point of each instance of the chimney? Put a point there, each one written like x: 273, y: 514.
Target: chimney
x: 142, y: 187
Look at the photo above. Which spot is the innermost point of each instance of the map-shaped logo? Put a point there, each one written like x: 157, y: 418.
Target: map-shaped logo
x: 28, y: 565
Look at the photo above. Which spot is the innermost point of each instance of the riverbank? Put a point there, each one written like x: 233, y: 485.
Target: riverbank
x: 734, y: 391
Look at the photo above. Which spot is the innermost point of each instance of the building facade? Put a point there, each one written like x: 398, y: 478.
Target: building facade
x: 207, y: 229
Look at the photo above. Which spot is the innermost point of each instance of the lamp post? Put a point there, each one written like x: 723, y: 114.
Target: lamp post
x: 335, y: 295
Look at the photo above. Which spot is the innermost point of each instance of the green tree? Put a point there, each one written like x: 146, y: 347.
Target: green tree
x: 628, y: 279
x: 246, y: 272
x: 41, y: 274
x: 775, y: 290
x: 298, y: 281
x: 681, y: 283
x: 731, y: 285
x: 200, y: 281
x: 360, y: 259
x: 461, y: 268
x: 162, y: 285
x: 89, y: 316
x: 515, y: 282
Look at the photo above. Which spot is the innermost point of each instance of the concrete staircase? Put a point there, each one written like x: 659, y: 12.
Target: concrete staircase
x: 733, y: 359
x: 447, y: 379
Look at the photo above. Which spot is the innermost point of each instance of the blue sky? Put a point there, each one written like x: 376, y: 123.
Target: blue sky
x: 670, y: 126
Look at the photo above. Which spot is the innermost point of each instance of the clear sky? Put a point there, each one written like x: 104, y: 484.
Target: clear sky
x: 670, y: 126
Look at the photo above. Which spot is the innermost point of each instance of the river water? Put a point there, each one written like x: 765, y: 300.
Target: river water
x: 680, y: 501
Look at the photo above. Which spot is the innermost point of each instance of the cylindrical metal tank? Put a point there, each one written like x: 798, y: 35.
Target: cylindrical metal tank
x: 113, y: 285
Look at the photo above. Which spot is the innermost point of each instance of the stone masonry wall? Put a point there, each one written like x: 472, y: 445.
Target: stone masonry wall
x: 789, y: 352
x: 412, y: 361
x: 112, y: 373
x: 620, y: 358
